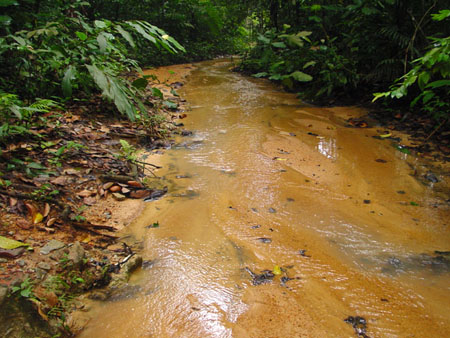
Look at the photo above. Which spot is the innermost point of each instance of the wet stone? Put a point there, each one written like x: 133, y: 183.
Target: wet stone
x: 254, y: 210
x: 272, y: 210
x: 359, y: 324
x: 265, y: 240
x: 255, y: 226
x: 401, y: 192
x: 266, y: 276
x: 118, y: 197
x: 52, y: 246
x: 366, y: 201
x: 431, y: 177
x: 44, y: 266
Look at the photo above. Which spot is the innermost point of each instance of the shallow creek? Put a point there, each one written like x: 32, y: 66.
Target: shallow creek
x: 266, y: 181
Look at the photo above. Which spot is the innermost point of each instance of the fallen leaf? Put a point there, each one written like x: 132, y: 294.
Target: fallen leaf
x: 31, y: 209
x: 46, y: 210
x: 60, y: 180
x: 86, y: 193
x: 115, y: 188
x: 38, y: 218
x: 135, y: 184
x: 51, y: 221
x: 108, y: 185
x: 89, y: 200
x: 9, y: 244
x: 386, y: 135
x: 276, y: 270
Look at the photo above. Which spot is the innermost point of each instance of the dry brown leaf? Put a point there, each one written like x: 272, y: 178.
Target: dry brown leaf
x: 31, y: 209
x: 46, y: 210
x: 89, y: 200
x: 115, y: 188
x: 135, y: 184
x: 86, y: 193
x: 12, y: 202
x: 51, y: 221
x: 60, y: 180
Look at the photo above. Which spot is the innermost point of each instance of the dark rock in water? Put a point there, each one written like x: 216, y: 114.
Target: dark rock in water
x: 256, y: 226
x: 303, y: 253
x: 148, y: 264
x: 397, y: 263
x: 431, y: 177
x: 265, y: 240
x: 272, y: 210
x: 366, y: 201
x: 266, y: 276
x: 126, y: 292
x: 401, y: 192
x: 156, y: 194
x: 186, y: 133
x: 254, y: 210
x: 359, y: 325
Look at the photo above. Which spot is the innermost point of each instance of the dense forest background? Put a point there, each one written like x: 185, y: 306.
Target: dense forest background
x: 327, y: 51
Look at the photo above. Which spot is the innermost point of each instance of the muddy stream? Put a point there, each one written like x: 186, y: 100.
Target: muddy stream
x: 268, y: 183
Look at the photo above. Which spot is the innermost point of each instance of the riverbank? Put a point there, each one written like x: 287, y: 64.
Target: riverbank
x: 66, y: 200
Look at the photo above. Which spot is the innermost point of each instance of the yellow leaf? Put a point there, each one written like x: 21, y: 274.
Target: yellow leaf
x: 386, y: 135
x: 281, y: 159
x: 38, y: 218
x: 276, y: 270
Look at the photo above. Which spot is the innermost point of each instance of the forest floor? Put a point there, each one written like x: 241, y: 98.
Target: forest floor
x: 65, y: 198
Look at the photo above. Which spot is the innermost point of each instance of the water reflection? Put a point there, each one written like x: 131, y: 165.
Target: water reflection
x: 328, y: 148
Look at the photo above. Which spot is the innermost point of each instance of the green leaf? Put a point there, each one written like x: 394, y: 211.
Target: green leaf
x: 140, y: 83
x: 35, y: 165
x: 82, y: 36
x: 6, y: 3
x: 443, y: 14
x: 262, y: 74
x: 423, y: 79
x: 102, y: 42
x: 414, y: 204
x: 5, y: 20
x: 309, y: 64
x: 127, y: 36
x: 99, y: 24
x: 9, y: 244
x: 301, y: 77
x: 156, y: 92
x: 169, y: 104
x: 279, y: 44
x: 263, y: 39
x: 69, y: 75
x: 438, y: 84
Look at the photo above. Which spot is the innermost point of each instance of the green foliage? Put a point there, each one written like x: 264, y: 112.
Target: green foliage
x: 72, y: 56
x: 127, y: 151
x: 354, y: 47
x: 16, y: 118
x: 25, y: 289
x: 429, y: 77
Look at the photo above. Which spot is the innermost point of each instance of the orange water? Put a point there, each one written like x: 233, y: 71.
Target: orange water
x: 251, y: 152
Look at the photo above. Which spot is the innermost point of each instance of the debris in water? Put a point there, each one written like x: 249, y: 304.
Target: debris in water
x: 254, y: 210
x: 380, y: 160
x: 431, y: 177
x: 266, y: 276
x: 401, y: 192
x: 265, y: 240
x: 256, y: 226
x: 272, y: 210
x: 303, y: 253
x: 366, y: 201
x: 313, y: 134
x: 156, y: 194
x: 359, y: 324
